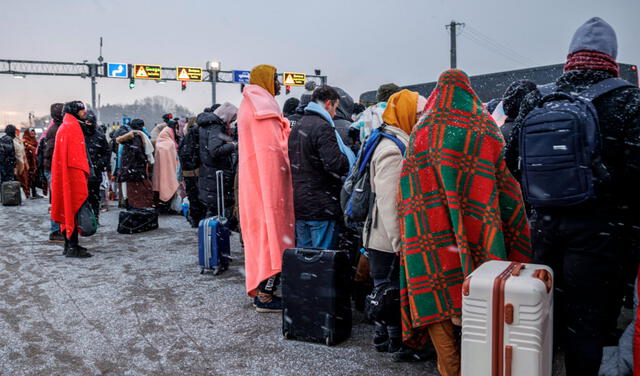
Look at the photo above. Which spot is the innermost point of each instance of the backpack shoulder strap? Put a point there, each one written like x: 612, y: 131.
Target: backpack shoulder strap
x: 396, y: 140
x: 547, y: 89
x: 603, y: 87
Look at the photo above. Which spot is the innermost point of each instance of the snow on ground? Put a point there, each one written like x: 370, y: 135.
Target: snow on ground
x: 141, y: 307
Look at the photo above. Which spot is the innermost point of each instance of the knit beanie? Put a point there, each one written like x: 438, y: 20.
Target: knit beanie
x: 513, y: 96
x: 595, y: 35
x: 137, y: 124
x: 385, y: 91
x: 73, y: 108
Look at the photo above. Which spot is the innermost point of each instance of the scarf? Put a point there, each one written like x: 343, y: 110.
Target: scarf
x: 401, y: 110
x: 458, y: 205
x: 591, y: 60
x: 317, y: 109
x: 264, y: 76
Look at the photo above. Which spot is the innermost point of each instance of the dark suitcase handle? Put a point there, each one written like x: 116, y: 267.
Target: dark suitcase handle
x: 309, y: 254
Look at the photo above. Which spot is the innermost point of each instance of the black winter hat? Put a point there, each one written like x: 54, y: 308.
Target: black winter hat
x: 513, y: 96
x: 91, y: 117
x: 290, y: 106
x: 56, y: 111
x: 73, y: 108
x: 137, y: 124
x: 10, y: 130
x: 206, y: 118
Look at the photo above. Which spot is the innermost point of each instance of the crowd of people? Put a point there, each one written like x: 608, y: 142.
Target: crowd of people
x: 445, y: 186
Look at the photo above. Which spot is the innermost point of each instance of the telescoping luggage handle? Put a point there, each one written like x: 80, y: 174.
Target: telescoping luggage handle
x: 220, y: 193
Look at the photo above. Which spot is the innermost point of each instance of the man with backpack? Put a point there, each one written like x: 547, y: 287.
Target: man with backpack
x: 576, y: 146
x: 319, y: 159
x: 189, y: 155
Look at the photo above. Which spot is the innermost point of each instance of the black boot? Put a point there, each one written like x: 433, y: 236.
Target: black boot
x: 77, y: 252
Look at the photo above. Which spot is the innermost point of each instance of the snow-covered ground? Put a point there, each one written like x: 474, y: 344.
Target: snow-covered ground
x: 141, y: 307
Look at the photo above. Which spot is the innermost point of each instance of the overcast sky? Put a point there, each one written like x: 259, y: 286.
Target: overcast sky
x: 358, y: 44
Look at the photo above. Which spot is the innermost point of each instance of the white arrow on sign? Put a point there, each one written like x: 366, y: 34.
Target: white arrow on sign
x: 119, y: 70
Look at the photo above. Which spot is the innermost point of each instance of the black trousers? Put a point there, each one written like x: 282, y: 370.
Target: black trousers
x: 585, y: 249
x: 385, y: 269
x: 270, y: 285
x: 94, y: 196
x: 6, y: 174
x: 71, y: 241
x: 197, y: 210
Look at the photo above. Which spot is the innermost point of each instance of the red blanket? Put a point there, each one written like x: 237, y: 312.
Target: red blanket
x: 69, y: 174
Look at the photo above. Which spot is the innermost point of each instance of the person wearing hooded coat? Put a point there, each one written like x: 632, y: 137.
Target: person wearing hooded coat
x: 99, y: 157
x: 381, y: 235
x: 443, y: 168
x: 217, y: 149
x: 8, y: 158
x: 343, y: 120
x: 70, y: 173
x: 189, y: 155
x: 134, y: 169
x: 590, y: 245
x: 165, y: 170
x: 264, y: 186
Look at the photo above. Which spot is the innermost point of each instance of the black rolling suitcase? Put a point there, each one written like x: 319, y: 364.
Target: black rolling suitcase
x: 134, y: 221
x: 11, y: 193
x: 316, y: 298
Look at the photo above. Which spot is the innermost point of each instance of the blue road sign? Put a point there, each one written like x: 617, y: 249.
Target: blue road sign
x: 117, y: 70
x: 126, y: 121
x: 241, y: 76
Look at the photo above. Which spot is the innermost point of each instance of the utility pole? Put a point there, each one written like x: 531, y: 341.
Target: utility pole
x: 452, y: 30
x: 214, y: 80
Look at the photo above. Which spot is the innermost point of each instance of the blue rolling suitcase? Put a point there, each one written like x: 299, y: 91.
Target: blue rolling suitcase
x: 214, y: 250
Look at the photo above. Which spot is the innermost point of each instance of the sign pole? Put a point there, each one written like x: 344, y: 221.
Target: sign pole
x: 93, y: 68
x: 214, y: 79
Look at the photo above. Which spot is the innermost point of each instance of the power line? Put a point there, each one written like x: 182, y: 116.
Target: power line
x: 499, y: 45
x: 495, y: 49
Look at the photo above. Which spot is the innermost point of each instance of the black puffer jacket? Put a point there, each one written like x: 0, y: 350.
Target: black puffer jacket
x: 619, y: 119
x: 343, y: 120
x: 50, y: 137
x: 317, y: 168
x: 133, y: 164
x: 216, y: 153
x: 98, y: 149
x: 8, y: 159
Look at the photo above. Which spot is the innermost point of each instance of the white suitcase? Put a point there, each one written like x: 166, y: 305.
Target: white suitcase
x: 507, y: 320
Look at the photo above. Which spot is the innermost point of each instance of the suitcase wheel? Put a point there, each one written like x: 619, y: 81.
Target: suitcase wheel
x: 328, y: 341
x: 288, y: 335
x: 202, y: 271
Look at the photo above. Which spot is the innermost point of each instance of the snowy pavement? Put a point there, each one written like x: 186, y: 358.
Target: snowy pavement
x: 141, y: 307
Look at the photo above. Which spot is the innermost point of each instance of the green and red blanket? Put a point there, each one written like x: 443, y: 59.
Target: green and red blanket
x: 459, y: 205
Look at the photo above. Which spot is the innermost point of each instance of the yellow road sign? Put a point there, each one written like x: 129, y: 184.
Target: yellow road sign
x: 294, y: 79
x: 188, y: 74
x: 147, y: 72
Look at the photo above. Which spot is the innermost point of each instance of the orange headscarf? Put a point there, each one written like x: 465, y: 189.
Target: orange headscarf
x: 401, y: 110
x: 264, y: 76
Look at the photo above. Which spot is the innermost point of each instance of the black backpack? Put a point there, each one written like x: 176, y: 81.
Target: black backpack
x: 560, y: 146
x: 189, y: 150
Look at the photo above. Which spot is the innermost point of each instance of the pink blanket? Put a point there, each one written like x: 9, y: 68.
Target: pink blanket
x: 165, y: 180
x: 265, y: 191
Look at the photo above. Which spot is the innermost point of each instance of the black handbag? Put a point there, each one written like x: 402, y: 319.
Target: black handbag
x: 86, y: 220
x: 383, y: 304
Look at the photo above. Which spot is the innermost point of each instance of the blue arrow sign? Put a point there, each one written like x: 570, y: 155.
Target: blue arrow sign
x: 241, y: 76
x: 117, y: 70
